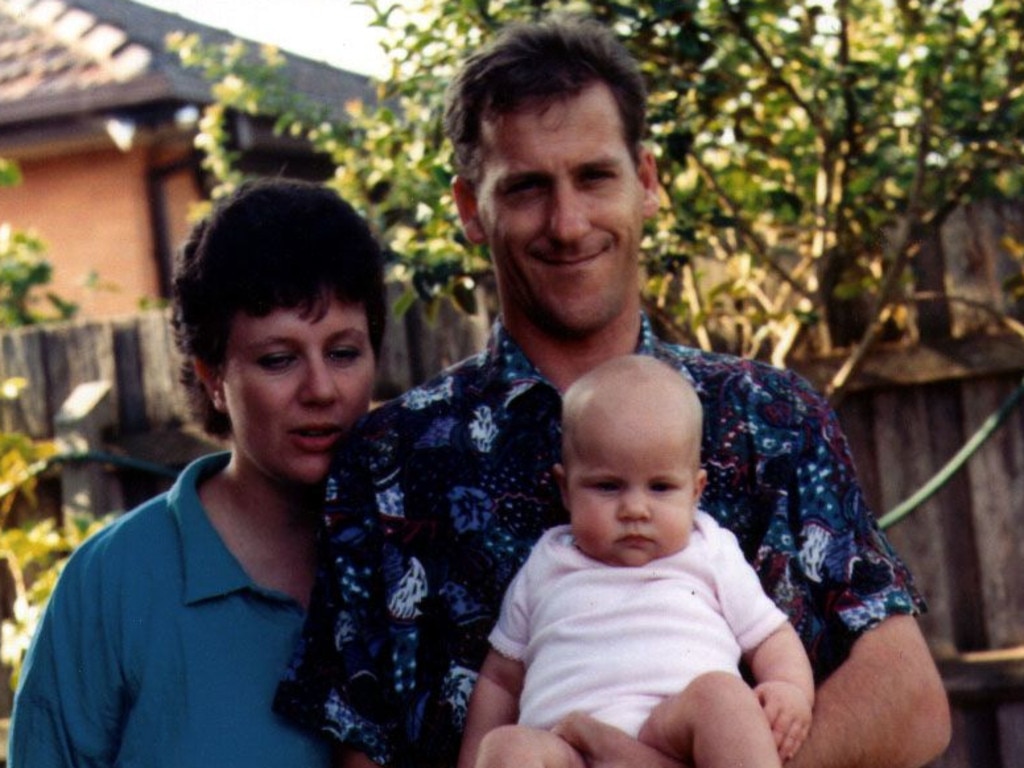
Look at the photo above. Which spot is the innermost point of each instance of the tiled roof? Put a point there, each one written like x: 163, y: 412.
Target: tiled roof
x: 62, y: 57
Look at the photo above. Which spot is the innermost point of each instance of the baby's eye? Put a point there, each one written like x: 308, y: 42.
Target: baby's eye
x: 662, y: 487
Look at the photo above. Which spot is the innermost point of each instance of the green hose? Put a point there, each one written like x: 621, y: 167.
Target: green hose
x: 926, y: 491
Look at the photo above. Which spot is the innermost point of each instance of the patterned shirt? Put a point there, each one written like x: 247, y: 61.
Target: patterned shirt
x: 440, y: 495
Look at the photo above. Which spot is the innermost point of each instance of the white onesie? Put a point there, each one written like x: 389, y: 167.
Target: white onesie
x: 613, y: 641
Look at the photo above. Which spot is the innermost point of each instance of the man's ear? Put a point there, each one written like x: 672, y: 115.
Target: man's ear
x: 465, y: 202
x: 647, y: 170
x: 212, y: 382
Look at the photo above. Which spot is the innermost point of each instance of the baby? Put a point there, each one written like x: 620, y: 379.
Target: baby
x: 639, y: 611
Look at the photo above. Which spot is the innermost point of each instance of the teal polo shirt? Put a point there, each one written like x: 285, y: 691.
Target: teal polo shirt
x: 157, y: 649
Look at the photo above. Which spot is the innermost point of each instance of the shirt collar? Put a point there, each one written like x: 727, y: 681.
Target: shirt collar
x: 210, y: 570
x: 508, y: 367
x: 648, y: 343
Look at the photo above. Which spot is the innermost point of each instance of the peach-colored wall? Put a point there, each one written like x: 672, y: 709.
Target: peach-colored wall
x: 90, y: 208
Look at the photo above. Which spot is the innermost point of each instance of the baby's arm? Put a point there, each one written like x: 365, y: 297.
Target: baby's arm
x: 494, y: 702
x: 785, y: 687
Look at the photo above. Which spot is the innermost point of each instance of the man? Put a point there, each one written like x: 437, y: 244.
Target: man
x: 439, y: 497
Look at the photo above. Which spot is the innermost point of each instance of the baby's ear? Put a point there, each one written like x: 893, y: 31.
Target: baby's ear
x: 559, y: 472
x: 702, y: 481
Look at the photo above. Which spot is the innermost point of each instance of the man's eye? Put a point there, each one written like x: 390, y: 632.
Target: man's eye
x: 523, y: 187
x: 598, y: 173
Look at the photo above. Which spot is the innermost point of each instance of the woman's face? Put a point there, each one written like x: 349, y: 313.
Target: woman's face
x: 293, y: 385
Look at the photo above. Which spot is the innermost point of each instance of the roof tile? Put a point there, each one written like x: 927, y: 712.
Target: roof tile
x: 55, y: 54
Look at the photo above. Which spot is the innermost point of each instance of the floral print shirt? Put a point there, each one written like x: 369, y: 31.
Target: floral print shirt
x: 440, y: 495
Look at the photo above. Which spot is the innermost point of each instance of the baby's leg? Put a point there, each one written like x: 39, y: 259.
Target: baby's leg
x: 716, y: 721
x: 522, y: 747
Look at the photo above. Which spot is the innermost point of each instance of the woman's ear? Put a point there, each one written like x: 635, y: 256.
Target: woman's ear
x: 212, y: 382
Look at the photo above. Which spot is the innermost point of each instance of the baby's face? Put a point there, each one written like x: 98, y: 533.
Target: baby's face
x: 632, y: 493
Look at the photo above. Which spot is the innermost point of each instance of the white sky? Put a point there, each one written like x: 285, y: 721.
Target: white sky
x: 335, y: 31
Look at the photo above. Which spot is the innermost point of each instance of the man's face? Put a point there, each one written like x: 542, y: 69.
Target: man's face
x: 561, y: 203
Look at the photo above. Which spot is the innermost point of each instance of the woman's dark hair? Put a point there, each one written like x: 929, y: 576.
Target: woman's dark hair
x: 272, y: 244
x: 551, y: 59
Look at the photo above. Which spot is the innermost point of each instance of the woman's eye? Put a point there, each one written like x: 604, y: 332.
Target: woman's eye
x: 344, y: 354
x: 275, y: 362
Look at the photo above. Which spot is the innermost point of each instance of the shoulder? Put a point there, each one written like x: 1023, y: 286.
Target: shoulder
x: 736, y: 389
x: 452, y: 390
x: 556, y: 539
x: 129, y: 541
x: 461, y: 380
x: 715, y: 539
x: 146, y: 541
x: 554, y: 550
x: 714, y: 368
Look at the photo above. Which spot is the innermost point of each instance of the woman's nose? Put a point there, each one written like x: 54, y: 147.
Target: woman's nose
x: 320, y: 384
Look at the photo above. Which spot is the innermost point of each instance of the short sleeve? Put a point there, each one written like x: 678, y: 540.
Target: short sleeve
x: 750, y: 613
x: 511, y: 633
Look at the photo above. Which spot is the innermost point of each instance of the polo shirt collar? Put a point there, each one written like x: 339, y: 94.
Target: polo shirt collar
x: 210, y: 570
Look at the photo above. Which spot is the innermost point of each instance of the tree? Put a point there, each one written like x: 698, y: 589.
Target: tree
x: 805, y: 148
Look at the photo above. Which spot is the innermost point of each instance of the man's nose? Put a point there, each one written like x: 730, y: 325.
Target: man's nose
x: 569, y: 220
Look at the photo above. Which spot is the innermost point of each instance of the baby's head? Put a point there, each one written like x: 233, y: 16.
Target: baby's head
x: 630, y: 474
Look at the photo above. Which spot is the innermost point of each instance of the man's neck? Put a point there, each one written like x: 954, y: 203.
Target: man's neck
x: 562, y: 360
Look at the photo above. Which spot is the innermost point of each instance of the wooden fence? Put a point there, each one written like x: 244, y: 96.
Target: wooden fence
x: 909, y: 411
x: 912, y: 410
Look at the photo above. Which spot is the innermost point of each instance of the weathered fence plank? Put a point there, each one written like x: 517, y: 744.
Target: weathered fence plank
x: 24, y: 355
x: 76, y: 353
x: 958, y: 568
x: 997, y: 491
x: 902, y: 426
x: 165, y: 398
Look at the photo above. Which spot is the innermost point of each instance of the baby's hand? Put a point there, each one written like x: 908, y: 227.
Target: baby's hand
x: 789, y: 713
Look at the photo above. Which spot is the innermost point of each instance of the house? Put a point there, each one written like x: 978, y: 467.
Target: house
x: 101, y: 119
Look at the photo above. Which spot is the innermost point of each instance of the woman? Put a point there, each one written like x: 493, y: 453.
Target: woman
x: 166, y: 635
